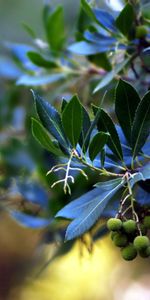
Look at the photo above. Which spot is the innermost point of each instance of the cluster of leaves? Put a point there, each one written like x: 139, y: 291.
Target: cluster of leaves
x: 100, y: 36
x: 100, y: 145
x: 78, y: 141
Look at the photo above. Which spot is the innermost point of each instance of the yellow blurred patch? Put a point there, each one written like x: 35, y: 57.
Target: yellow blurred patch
x: 75, y: 277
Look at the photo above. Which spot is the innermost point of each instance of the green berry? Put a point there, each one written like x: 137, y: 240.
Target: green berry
x: 120, y: 240
x: 129, y: 226
x: 129, y: 252
x: 141, y: 31
x: 114, y: 224
x: 146, y: 222
x: 141, y: 242
x: 113, y: 234
x: 144, y: 253
x: 148, y: 250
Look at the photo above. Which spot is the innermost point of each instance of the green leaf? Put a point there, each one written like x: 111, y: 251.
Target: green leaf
x: 50, y: 119
x: 88, y: 10
x: 63, y: 104
x: 40, y: 61
x: 101, y: 60
x: 106, y: 124
x: 85, y: 127
x: 111, y: 75
x: 126, y: 102
x: 141, y: 125
x: 72, y: 120
x: 125, y: 19
x: 29, y: 30
x: 97, y: 144
x: 102, y: 157
x: 55, y: 29
x: 89, y: 211
x: 42, y: 136
x: 93, y: 124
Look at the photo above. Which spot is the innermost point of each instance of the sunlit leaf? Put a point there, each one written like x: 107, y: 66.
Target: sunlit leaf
x: 42, y: 136
x: 55, y: 29
x: 41, y: 61
x: 85, y: 48
x: 90, y: 211
x: 105, y: 19
x: 75, y: 208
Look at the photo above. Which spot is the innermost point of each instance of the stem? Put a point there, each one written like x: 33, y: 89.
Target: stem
x: 102, y: 171
x: 67, y: 174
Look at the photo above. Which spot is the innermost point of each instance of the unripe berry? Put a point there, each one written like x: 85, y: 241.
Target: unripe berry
x: 114, y: 224
x: 129, y: 226
x: 120, y: 240
x: 144, y: 253
x: 141, y: 31
x: 148, y: 251
x: 113, y: 234
x: 141, y: 242
x: 129, y: 252
x: 146, y: 222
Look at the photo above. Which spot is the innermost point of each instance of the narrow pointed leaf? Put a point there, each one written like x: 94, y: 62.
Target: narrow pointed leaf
x: 50, y: 119
x: 72, y: 120
x: 97, y: 144
x: 40, y: 61
x: 29, y: 221
x: 33, y: 192
x: 39, y: 80
x: 125, y: 19
x: 85, y: 127
x: 55, y: 29
x: 77, y: 207
x: 106, y: 124
x: 126, y: 102
x: 98, y: 38
x: 111, y: 75
x: 85, y: 48
x: 141, y: 125
x: 109, y: 184
x: 91, y: 213
x: 93, y: 124
x: 105, y: 19
x: 42, y: 136
x: 88, y: 10
x: 102, y: 157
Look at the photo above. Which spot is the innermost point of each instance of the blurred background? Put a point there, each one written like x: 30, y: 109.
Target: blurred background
x: 73, y: 271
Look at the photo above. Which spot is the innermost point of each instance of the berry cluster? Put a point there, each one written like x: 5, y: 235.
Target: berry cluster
x: 125, y: 234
